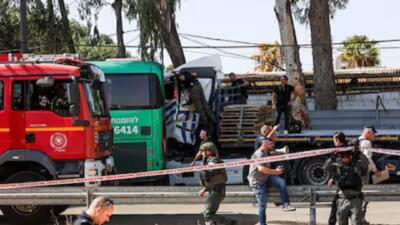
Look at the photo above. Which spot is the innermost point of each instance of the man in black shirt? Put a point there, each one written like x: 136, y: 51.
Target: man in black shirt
x: 281, y: 97
x: 238, y: 86
x: 98, y: 213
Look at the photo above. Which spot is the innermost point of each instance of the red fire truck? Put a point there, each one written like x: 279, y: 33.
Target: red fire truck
x: 54, y: 124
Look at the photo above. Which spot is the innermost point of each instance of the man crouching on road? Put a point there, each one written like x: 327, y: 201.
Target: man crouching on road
x: 261, y: 177
x: 213, y: 181
x: 98, y: 213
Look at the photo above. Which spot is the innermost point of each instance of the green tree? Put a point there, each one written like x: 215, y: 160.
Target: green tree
x: 359, y: 51
x: 156, y: 21
x: 268, y: 56
x: 91, y: 8
x: 98, y: 47
x: 317, y: 14
x: 9, y: 26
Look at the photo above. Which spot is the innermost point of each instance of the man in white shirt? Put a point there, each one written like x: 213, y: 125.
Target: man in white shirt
x: 367, y: 136
x: 365, y: 141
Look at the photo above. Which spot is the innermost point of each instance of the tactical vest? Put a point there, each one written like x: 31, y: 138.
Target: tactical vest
x: 349, y: 177
x: 215, y: 177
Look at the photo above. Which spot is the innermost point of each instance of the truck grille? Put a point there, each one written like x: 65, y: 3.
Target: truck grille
x: 106, y: 140
x: 130, y: 157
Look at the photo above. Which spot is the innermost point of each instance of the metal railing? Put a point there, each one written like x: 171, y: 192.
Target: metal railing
x: 175, y: 194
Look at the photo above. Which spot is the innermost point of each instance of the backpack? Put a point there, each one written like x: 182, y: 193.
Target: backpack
x: 215, y: 177
x: 356, y: 143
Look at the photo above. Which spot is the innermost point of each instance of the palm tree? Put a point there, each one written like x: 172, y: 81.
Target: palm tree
x: 268, y: 56
x: 359, y: 51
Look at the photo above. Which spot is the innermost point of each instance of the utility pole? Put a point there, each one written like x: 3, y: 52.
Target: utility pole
x: 22, y: 26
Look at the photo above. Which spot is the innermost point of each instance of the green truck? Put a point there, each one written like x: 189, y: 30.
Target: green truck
x: 137, y: 121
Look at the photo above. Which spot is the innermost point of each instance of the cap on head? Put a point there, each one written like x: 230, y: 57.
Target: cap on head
x: 209, y: 146
x: 284, y: 77
x: 371, y: 128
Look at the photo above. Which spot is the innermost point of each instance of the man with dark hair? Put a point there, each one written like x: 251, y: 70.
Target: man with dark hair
x: 346, y: 169
x: 261, y: 177
x: 281, y: 98
x: 213, y: 182
x: 238, y: 89
x: 204, y: 138
x: 98, y: 213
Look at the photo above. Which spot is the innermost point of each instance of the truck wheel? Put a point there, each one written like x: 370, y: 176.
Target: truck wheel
x: 58, y: 209
x: 26, y: 214
x: 312, y: 172
x: 245, y: 174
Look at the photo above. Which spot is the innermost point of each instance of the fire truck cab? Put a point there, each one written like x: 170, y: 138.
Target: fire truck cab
x: 54, y: 124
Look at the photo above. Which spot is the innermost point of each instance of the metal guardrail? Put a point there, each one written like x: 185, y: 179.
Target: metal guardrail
x: 76, y: 196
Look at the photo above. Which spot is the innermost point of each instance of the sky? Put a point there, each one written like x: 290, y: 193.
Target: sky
x: 255, y: 21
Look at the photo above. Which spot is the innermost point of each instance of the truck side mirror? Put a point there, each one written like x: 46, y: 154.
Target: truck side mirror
x: 73, y: 98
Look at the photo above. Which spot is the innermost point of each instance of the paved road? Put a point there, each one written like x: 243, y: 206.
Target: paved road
x: 379, y: 213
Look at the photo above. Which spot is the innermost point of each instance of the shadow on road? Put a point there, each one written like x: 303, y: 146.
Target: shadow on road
x: 181, y: 219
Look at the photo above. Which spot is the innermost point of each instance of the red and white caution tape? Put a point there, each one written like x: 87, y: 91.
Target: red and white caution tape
x: 383, y: 151
x: 277, y: 158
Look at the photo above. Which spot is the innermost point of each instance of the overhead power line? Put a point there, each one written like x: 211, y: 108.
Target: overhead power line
x: 232, y: 53
x: 246, y: 44
x: 219, y: 39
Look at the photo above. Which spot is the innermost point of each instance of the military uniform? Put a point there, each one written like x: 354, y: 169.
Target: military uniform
x: 207, y: 118
x: 348, y: 179
x: 84, y: 219
x: 214, y: 182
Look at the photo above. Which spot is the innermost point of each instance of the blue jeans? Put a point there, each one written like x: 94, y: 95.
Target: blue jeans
x: 261, y: 195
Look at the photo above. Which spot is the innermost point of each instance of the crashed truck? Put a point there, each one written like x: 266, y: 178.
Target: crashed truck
x: 365, y: 97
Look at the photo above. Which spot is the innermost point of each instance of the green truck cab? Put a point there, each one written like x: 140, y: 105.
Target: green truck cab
x: 136, y: 97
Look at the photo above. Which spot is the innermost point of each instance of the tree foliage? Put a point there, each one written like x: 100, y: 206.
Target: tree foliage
x: 40, y: 41
x: 301, y: 9
x: 156, y: 21
x: 150, y: 40
x: 268, y: 56
x: 359, y: 51
x: 92, y: 47
x: 9, y: 26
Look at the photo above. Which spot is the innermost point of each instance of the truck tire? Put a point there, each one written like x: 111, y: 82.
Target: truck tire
x: 312, y: 172
x: 26, y: 214
x: 246, y: 170
x: 58, y: 209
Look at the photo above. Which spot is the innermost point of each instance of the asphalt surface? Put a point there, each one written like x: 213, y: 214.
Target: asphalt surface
x: 379, y: 213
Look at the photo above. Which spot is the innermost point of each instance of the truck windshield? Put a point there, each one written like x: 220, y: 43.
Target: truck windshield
x: 93, y: 84
x: 95, y: 99
x: 134, y: 91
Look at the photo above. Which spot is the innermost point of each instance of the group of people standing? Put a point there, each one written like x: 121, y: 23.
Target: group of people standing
x: 348, y: 169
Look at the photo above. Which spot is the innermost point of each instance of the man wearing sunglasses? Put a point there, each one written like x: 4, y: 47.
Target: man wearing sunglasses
x: 98, y: 213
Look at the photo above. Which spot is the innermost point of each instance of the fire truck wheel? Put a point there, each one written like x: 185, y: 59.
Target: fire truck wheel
x: 26, y: 214
x: 312, y: 172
